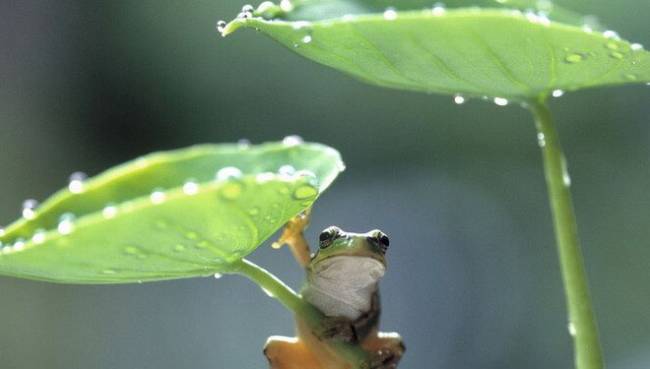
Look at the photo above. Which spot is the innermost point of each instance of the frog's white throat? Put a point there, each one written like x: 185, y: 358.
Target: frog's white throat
x: 344, y: 285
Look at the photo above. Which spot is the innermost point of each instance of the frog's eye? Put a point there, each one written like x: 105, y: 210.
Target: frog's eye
x: 327, y: 236
x: 379, y: 239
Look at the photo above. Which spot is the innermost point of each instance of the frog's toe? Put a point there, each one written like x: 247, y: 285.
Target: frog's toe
x: 288, y: 353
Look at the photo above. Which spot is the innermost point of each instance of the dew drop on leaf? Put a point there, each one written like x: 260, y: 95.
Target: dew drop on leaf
x: 66, y: 224
x: 574, y: 58
x: 390, y: 14
x: 305, y: 192
x: 76, y: 182
x: 157, y: 196
x: 226, y: 173
x: 29, y: 209
x: 459, y: 99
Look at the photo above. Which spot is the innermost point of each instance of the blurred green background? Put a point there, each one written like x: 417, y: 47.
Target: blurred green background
x: 473, y: 280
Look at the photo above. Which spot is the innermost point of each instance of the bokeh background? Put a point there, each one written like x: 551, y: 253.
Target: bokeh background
x: 473, y: 280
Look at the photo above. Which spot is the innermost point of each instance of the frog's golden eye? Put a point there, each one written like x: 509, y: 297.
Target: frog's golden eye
x: 327, y: 236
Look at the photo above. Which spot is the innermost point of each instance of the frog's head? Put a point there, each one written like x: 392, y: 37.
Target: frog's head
x: 346, y: 255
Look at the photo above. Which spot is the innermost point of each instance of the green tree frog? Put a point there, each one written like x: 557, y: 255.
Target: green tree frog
x: 342, y: 282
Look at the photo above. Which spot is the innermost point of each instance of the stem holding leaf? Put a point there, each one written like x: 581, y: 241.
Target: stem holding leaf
x: 582, y: 321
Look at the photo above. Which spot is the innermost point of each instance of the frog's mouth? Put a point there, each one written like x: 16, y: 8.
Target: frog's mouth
x: 350, y: 271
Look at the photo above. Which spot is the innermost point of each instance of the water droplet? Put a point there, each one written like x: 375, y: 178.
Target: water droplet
x: 286, y: 5
x: 226, y: 173
x: 438, y: 9
x: 39, y: 236
x: 305, y: 192
x: 109, y: 211
x: 459, y: 99
x: 307, y: 39
x: 29, y: 208
x: 616, y: 55
x: 264, y: 177
x: 390, y: 14
x: 636, y: 46
x: 287, y: 170
x: 348, y: 17
x: 243, y: 143
x: 231, y: 191
x: 19, y: 244
x: 611, y: 34
x: 221, y: 26
x: 191, y: 187
x: 293, y: 140
x: 66, y: 223
x: 202, y: 244
x: 191, y: 235
x: 179, y: 247
x: 500, y: 101
x: 574, y: 58
x: 76, y: 183
x: 158, y: 196
x: 248, y: 8
x: 541, y: 139
x: 218, y: 275
x: 557, y: 93
x: 2, y: 231
x: 265, y: 6
x: 572, y: 329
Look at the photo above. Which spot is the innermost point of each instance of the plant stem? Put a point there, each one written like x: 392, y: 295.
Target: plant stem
x: 582, y: 321
x: 277, y: 289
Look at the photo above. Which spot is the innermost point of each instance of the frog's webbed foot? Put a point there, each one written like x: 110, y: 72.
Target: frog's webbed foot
x: 386, y: 350
x: 337, y: 329
x: 289, y: 353
x: 293, y: 236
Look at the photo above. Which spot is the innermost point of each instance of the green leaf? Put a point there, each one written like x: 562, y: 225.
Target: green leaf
x: 470, y: 51
x: 175, y: 214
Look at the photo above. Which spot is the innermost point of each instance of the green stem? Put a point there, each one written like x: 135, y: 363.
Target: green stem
x: 582, y: 322
x: 277, y: 289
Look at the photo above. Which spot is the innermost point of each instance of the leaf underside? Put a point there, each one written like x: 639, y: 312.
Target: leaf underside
x: 469, y: 51
x: 166, y: 216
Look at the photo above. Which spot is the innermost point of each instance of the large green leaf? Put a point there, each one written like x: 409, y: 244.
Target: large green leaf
x: 471, y: 51
x: 168, y: 215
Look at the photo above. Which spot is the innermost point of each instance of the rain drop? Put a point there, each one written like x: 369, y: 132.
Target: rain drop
x: 293, y: 140
x: 438, y: 9
x: 265, y: 6
x: 157, y: 196
x: 574, y: 58
x: 611, y: 34
x: 286, y: 5
x: 307, y: 39
x: 218, y: 275
x: 500, y: 101
x: 19, y: 244
x: 2, y: 231
x: 541, y: 139
x: 305, y: 192
x: 39, y: 236
x: 390, y: 14
x: 243, y: 143
x: 557, y: 93
x: 287, y: 170
x: 247, y: 8
x: 572, y: 329
x: 191, y: 187
x: 616, y: 55
x: 109, y: 211
x: 226, y: 173
x: 459, y: 99
x: 636, y: 47
x: 76, y: 183
x: 66, y: 224
x: 221, y: 26
x: 29, y: 207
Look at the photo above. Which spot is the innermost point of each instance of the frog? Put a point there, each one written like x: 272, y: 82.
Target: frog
x: 342, y: 279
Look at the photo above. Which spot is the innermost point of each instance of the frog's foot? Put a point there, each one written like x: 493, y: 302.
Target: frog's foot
x: 289, y: 353
x: 293, y: 236
x: 386, y: 350
x: 337, y: 329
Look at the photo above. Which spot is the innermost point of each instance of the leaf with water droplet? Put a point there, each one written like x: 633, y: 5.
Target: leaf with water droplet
x: 501, y: 50
x: 176, y: 214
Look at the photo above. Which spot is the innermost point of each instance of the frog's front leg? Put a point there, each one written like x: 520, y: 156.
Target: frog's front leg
x: 293, y: 236
x: 385, y: 349
x: 289, y: 353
